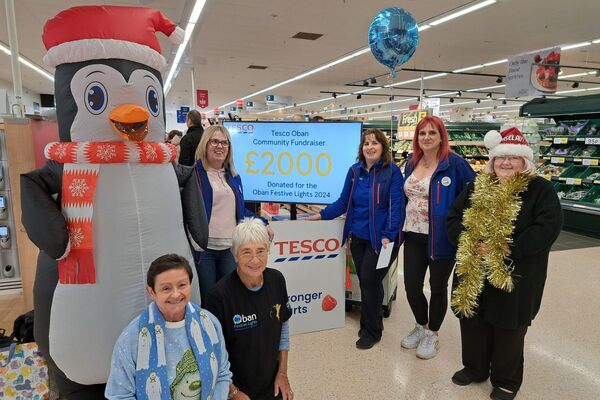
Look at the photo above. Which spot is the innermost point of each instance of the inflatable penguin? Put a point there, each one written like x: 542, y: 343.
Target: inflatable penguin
x: 109, y: 200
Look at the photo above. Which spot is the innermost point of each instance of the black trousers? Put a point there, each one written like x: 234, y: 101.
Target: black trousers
x: 416, y: 261
x: 495, y: 352
x: 371, y: 287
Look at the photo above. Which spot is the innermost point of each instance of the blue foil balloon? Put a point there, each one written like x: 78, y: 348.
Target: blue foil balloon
x: 393, y: 37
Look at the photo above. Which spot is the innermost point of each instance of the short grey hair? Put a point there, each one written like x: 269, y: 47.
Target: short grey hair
x: 528, y: 168
x: 250, y: 230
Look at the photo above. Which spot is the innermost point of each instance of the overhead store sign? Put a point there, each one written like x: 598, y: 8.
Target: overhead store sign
x: 202, y: 98
x: 256, y: 105
x: 182, y: 113
x: 273, y: 100
x: 407, y: 123
x: 533, y: 74
x: 432, y: 103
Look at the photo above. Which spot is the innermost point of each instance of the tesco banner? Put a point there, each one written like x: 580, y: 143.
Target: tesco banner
x: 312, y: 259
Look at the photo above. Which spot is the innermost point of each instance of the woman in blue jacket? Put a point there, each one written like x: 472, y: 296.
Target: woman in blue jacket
x: 223, y: 196
x: 373, y: 201
x: 435, y: 176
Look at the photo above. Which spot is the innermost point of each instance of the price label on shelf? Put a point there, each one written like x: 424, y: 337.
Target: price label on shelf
x: 561, y: 140
x: 589, y: 161
x: 573, y: 181
x: 557, y: 160
x: 592, y: 140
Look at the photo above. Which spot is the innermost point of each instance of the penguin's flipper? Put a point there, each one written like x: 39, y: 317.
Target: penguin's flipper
x: 41, y: 214
x: 192, y: 204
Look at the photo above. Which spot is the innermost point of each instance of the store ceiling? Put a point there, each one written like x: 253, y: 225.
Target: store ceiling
x: 234, y: 34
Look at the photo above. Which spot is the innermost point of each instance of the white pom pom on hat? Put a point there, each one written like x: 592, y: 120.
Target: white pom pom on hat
x: 509, y: 142
x: 492, y: 139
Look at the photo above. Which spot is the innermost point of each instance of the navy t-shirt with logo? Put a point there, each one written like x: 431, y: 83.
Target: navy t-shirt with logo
x: 251, y: 324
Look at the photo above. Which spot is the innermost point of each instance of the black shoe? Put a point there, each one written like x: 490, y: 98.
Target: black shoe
x: 499, y: 394
x: 464, y: 378
x: 364, y: 343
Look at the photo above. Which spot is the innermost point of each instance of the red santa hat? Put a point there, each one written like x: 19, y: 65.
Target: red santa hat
x: 101, y: 32
x: 509, y: 142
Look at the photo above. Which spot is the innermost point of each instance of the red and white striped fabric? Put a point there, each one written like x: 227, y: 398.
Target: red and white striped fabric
x: 80, y: 177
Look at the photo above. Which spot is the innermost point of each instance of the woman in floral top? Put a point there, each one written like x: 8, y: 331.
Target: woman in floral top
x: 434, y: 178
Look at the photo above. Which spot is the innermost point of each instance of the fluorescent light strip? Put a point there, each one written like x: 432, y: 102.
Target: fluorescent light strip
x: 462, y: 12
x: 373, y: 105
x: 472, y: 67
x: 485, y: 88
x: 489, y: 64
x: 189, y: 30
x: 574, y: 46
x: 424, y: 27
x: 458, y: 104
x: 29, y: 64
x: 369, y: 113
x: 570, y: 91
x: 508, y: 105
x: 576, y: 75
x: 578, y: 90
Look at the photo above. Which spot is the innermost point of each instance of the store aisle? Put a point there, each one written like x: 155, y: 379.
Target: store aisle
x: 562, y: 349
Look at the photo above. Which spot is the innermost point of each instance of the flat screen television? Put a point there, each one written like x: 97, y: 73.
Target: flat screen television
x: 294, y: 162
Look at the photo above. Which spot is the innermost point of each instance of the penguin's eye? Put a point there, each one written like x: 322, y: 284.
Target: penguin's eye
x: 96, y: 98
x: 152, y: 100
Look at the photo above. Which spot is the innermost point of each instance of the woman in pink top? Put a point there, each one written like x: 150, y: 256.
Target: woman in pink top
x: 221, y: 188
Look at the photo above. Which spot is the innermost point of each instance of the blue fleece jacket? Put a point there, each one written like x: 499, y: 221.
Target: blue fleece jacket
x: 235, y: 182
x: 386, y: 203
x: 448, y: 180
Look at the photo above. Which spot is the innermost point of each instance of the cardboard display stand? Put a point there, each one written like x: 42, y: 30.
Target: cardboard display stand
x: 313, y: 262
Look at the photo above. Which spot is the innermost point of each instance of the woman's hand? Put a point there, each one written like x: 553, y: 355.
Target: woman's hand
x: 270, y: 232
x: 241, y: 396
x: 385, y: 242
x: 282, y: 384
x: 482, y: 250
x: 314, y: 217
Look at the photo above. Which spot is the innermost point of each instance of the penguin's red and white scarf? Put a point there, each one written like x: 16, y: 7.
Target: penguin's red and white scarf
x: 80, y: 176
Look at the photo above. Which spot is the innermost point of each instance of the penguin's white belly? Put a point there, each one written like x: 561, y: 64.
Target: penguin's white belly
x: 137, y: 218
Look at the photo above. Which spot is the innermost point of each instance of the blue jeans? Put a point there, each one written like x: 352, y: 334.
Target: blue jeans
x: 211, y: 266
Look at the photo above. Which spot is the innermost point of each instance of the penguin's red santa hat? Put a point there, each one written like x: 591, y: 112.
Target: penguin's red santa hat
x: 102, y: 32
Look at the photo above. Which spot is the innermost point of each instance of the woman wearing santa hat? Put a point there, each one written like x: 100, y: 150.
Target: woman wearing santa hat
x: 434, y: 177
x: 504, y: 224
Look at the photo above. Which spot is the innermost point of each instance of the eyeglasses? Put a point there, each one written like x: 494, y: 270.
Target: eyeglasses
x: 512, y: 159
x: 216, y: 142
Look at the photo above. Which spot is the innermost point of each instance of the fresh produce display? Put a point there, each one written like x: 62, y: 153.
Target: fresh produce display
x: 594, y: 176
x: 550, y: 170
x: 588, y: 151
x: 562, y: 150
x: 575, y: 195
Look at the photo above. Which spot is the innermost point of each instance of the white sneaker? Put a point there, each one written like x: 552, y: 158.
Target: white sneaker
x: 428, y: 346
x: 411, y: 341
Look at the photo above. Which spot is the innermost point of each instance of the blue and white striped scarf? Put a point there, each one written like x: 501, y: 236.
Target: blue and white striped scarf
x: 151, y: 366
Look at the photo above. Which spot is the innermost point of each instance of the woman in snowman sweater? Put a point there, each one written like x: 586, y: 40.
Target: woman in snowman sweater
x: 174, y: 349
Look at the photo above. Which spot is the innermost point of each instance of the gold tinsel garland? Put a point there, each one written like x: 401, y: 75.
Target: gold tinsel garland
x: 490, y: 221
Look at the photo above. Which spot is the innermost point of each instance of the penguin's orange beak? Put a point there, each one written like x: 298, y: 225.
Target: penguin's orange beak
x: 130, y: 121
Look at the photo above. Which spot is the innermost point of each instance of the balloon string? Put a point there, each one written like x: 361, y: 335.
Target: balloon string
x: 390, y: 81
